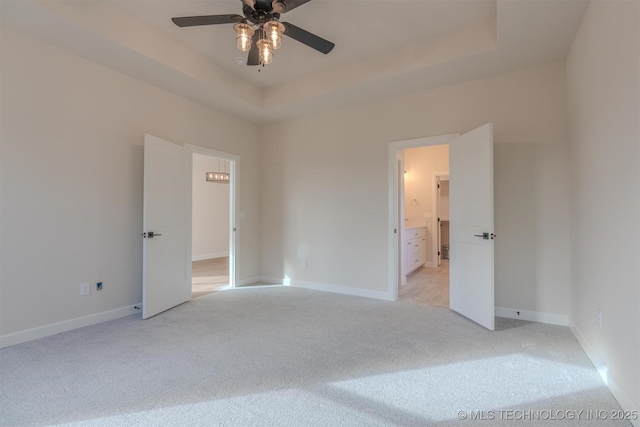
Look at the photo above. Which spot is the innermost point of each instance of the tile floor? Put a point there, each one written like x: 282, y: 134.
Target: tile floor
x: 427, y: 285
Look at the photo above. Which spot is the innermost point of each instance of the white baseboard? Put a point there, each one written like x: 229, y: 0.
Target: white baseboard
x: 209, y: 256
x: 260, y: 279
x: 248, y: 281
x: 66, y: 325
x: 342, y: 290
x: 272, y: 280
x: 623, y: 398
x: 533, y: 316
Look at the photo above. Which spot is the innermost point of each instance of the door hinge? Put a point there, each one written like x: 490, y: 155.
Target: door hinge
x: 395, y: 231
x: 234, y: 229
x: 438, y: 185
x: 438, y: 253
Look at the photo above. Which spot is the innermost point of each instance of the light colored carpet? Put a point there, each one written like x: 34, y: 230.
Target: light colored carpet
x: 281, y: 356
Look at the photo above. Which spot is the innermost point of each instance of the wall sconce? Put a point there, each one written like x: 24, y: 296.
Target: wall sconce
x: 219, y: 177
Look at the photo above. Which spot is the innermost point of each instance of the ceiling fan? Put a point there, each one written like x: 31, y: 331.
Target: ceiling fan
x: 259, y: 30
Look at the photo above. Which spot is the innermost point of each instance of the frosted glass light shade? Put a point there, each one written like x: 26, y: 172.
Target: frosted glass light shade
x: 273, y: 31
x: 266, y: 51
x: 244, y: 33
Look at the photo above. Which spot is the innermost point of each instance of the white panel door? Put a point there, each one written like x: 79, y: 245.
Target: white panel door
x: 471, y: 225
x: 166, y: 273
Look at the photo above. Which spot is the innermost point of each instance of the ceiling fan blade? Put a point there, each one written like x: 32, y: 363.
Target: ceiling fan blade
x: 191, y: 21
x: 305, y: 37
x: 283, y: 6
x: 254, y: 54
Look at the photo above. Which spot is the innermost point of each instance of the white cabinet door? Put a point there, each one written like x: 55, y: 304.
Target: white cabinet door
x: 471, y: 216
x: 166, y: 272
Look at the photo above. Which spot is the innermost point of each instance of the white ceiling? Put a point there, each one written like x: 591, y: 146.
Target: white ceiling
x: 358, y: 28
x: 383, y: 48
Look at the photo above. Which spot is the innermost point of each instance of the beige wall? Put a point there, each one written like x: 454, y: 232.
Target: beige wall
x: 325, y: 185
x: 603, y: 75
x: 71, y: 180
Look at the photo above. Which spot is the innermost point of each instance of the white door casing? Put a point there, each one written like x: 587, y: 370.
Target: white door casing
x: 234, y: 166
x: 396, y: 219
x: 166, y: 274
x: 471, y: 258
x: 402, y: 279
x: 439, y: 222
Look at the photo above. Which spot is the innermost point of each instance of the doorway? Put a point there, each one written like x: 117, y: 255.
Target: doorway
x: 471, y: 284
x: 212, y: 225
x: 167, y: 222
x: 424, y: 234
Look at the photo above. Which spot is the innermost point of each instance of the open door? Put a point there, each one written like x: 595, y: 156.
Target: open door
x: 166, y: 248
x: 471, y: 225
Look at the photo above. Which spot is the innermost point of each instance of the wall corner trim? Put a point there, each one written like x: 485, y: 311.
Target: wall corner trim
x: 248, y: 281
x: 336, y: 289
x: 623, y: 398
x: 66, y: 325
x: 533, y: 316
x: 272, y: 280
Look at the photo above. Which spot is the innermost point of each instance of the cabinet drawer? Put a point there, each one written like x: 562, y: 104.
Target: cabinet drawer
x: 414, y: 233
x: 414, y: 262
x: 416, y: 247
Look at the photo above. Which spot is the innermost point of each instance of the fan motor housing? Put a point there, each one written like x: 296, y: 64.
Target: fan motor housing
x: 261, y: 14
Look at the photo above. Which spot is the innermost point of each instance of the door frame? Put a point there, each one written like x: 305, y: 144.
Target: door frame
x: 438, y: 177
x: 234, y: 174
x: 396, y: 223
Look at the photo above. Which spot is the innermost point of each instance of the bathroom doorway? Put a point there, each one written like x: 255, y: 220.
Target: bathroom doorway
x: 425, y: 231
x: 472, y: 250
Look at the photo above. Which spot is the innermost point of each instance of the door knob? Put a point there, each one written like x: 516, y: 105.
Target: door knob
x: 486, y: 236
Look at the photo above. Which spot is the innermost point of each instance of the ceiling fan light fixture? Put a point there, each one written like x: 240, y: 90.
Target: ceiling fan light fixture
x: 279, y: 6
x: 273, y: 31
x: 259, y: 32
x: 244, y: 33
x: 265, y: 51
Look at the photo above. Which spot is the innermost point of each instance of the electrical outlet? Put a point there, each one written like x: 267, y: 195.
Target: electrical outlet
x: 85, y: 289
x: 99, y: 286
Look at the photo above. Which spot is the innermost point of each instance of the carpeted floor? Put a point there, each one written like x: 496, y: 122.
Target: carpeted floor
x: 282, y: 356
